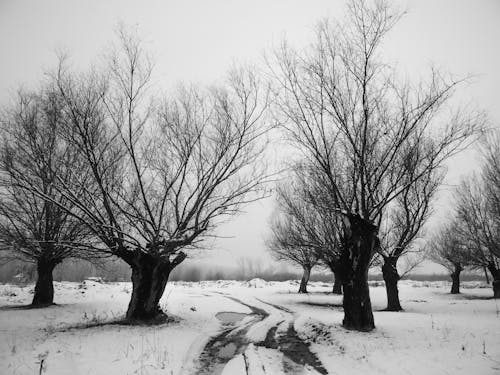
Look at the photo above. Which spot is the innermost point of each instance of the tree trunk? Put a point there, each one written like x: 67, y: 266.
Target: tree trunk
x: 455, y: 280
x: 486, y: 275
x: 496, y: 288
x: 353, y: 266
x: 305, y: 280
x: 44, y: 288
x: 391, y: 278
x: 149, y: 278
x: 337, y: 284
x: 495, y: 275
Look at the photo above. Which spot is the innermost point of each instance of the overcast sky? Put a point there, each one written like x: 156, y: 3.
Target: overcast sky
x: 197, y: 40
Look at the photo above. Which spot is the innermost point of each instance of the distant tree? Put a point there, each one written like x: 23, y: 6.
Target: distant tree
x: 248, y: 268
x: 34, y: 228
x: 303, y: 201
x: 166, y: 174
x: 491, y: 181
x: 328, y: 235
x: 293, y: 232
x: 480, y: 226
x: 491, y: 177
x: 448, y: 249
x: 330, y: 258
x: 404, y: 224
x: 358, y: 124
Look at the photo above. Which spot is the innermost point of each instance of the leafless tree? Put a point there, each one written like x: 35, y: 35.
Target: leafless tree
x: 491, y: 179
x: 449, y: 249
x: 328, y: 234
x: 353, y: 117
x: 479, y: 225
x: 165, y: 174
x: 406, y: 217
x: 294, y: 232
x: 34, y: 228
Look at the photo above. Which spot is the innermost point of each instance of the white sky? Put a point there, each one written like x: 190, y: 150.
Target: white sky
x: 197, y: 40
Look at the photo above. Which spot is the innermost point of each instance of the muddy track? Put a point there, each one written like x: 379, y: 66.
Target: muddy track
x: 229, y: 343
x: 297, y: 350
x: 233, y: 341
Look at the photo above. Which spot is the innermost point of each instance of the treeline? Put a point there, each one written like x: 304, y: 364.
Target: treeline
x: 78, y: 270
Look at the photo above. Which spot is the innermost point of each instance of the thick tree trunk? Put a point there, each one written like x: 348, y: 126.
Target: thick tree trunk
x: 391, y: 278
x: 455, y: 280
x: 305, y: 280
x: 149, y: 278
x: 44, y: 288
x: 353, y: 266
x: 495, y: 275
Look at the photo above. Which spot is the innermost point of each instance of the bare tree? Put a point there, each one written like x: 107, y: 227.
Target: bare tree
x: 358, y: 123
x: 166, y: 175
x: 491, y: 180
x: 479, y: 226
x: 327, y: 232
x: 34, y: 228
x: 448, y: 249
x: 294, y: 235
x: 403, y: 227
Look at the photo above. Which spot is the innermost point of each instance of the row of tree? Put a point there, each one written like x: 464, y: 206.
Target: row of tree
x: 91, y: 166
x: 306, y: 233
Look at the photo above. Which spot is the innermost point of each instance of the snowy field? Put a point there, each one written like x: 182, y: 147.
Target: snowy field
x: 272, y: 330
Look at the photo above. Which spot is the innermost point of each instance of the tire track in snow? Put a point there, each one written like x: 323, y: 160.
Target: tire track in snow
x: 295, y: 350
x: 231, y: 342
x: 234, y: 341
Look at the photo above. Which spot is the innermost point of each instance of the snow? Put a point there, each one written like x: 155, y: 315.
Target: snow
x: 438, y: 333
x: 255, y: 283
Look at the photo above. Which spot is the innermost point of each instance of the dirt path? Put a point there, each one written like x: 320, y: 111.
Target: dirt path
x: 233, y: 341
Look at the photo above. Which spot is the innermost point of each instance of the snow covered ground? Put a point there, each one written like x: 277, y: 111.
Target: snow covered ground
x: 278, y: 331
